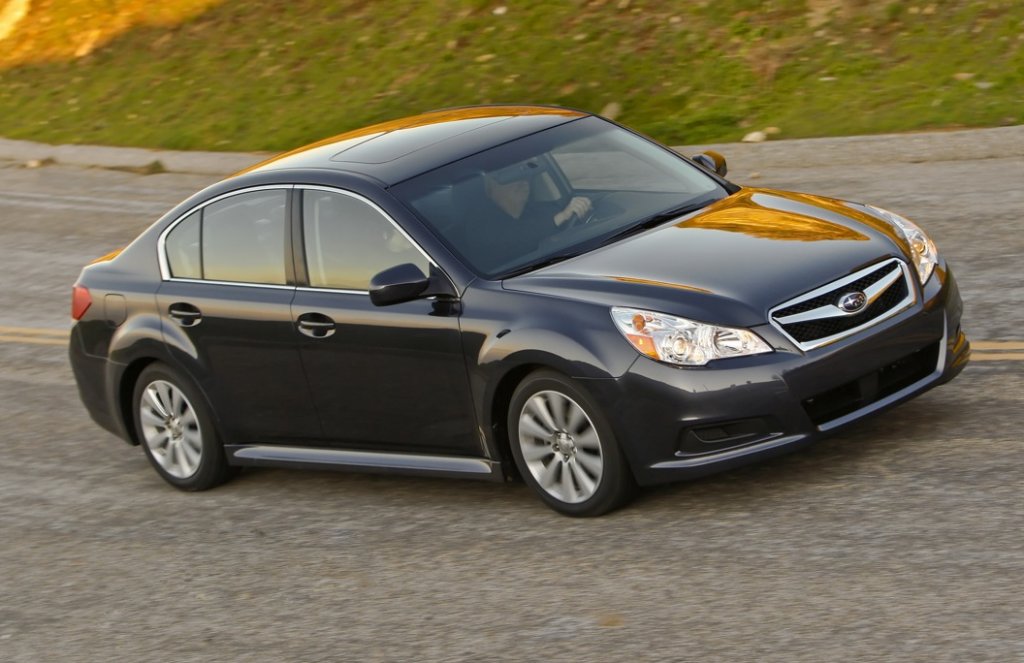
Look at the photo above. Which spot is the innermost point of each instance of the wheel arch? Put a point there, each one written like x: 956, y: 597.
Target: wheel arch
x: 500, y: 400
x: 526, y: 383
x: 125, y: 393
x: 499, y: 397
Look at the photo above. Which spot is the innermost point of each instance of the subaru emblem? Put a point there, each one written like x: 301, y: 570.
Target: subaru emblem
x: 852, y: 302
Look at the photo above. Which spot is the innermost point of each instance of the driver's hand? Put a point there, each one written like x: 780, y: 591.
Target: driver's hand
x: 579, y: 205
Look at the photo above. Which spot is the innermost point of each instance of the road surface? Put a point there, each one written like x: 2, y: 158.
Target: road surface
x: 900, y: 539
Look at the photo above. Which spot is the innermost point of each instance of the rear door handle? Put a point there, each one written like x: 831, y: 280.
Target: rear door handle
x: 185, y: 314
x: 316, y: 325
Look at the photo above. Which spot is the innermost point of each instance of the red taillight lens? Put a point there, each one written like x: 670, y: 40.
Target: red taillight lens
x: 81, y: 300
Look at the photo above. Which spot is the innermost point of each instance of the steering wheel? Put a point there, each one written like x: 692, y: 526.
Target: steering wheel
x: 575, y: 220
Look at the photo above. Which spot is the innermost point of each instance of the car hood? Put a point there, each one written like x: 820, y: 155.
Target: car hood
x: 727, y: 263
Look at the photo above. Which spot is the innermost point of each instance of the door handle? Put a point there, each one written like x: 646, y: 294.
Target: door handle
x: 316, y: 325
x: 184, y: 314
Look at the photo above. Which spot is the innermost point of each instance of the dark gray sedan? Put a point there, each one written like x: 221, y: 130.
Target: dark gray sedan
x: 494, y: 292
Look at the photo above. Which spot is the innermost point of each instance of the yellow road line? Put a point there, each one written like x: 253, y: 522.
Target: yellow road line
x: 997, y: 356
x: 981, y: 350
x: 997, y: 345
x: 34, y: 340
x: 34, y: 331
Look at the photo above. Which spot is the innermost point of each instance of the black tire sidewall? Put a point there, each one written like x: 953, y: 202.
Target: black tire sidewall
x: 212, y: 463
x: 616, y: 484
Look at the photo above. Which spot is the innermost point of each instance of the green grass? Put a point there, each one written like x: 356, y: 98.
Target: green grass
x: 273, y: 74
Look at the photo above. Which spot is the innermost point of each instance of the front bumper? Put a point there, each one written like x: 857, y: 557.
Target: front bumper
x: 677, y: 423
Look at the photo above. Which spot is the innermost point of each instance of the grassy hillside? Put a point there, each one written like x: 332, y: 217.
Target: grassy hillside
x: 271, y: 74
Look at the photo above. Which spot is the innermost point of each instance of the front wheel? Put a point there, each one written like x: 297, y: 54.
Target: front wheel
x: 564, y: 448
x: 176, y: 430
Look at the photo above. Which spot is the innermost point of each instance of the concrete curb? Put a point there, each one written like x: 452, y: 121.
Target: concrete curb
x: 99, y: 156
x: 1001, y: 142
x: 933, y: 146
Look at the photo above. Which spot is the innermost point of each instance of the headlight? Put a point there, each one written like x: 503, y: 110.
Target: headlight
x: 681, y: 341
x: 922, y: 248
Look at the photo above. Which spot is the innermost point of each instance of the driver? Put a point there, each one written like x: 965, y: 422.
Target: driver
x: 509, y: 189
x: 514, y: 223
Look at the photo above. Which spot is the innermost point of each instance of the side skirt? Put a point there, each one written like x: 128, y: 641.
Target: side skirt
x: 314, y: 458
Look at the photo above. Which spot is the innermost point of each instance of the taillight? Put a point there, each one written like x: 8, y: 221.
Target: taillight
x: 81, y: 300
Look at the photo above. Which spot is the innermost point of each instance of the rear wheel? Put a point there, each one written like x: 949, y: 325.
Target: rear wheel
x: 564, y: 448
x: 176, y: 431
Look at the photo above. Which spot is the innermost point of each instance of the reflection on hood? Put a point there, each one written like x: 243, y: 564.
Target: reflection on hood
x: 766, y: 216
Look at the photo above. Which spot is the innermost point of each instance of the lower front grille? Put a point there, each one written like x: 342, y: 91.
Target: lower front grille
x: 715, y: 437
x: 873, y: 386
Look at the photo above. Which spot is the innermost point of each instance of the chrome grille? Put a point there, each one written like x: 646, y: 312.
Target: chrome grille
x: 815, y: 318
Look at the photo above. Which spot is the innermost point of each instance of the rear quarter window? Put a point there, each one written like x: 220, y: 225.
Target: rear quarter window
x: 182, y: 247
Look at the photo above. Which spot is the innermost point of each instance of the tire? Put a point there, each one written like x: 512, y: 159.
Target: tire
x: 176, y: 431
x: 564, y: 447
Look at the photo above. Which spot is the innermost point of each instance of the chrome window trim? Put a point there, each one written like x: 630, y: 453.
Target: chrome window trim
x: 161, y: 250
x: 342, y: 291
x: 243, y: 284
x: 906, y: 303
x: 165, y: 271
x: 337, y: 291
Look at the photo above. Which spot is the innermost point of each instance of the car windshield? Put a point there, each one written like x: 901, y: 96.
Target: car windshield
x: 554, y: 194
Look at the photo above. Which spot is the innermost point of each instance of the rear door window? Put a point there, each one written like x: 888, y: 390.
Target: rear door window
x: 243, y: 238
x: 239, y: 239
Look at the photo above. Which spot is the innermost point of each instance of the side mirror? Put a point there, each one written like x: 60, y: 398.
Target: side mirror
x: 406, y: 282
x: 401, y: 283
x: 713, y: 161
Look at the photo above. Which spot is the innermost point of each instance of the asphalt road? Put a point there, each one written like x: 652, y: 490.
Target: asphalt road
x: 900, y: 539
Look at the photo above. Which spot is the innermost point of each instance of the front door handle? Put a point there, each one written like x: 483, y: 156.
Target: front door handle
x: 316, y: 325
x: 185, y: 314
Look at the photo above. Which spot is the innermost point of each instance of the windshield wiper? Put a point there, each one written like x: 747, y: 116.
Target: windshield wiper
x: 549, y: 260
x: 643, y: 224
x: 655, y: 220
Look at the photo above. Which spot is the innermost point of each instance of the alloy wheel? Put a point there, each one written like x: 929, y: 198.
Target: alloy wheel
x: 171, y: 429
x: 561, y: 446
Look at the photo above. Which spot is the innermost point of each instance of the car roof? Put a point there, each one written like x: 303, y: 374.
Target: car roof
x: 396, y: 150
